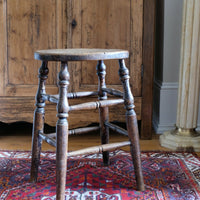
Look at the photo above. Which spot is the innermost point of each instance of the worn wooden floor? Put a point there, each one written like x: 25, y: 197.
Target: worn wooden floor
x: 19, y: 137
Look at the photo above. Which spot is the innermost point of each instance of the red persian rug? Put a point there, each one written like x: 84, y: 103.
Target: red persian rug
x: 167, y: 176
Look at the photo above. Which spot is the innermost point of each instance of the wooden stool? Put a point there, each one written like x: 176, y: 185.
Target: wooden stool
x: 63, y: 108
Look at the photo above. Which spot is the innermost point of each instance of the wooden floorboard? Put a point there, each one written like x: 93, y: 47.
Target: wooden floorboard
x: 19, y: 137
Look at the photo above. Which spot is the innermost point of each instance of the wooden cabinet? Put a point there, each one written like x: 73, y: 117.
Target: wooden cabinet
x: 29, y: 25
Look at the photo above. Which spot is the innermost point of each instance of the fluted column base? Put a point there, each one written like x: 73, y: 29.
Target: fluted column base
x: 181, y: 140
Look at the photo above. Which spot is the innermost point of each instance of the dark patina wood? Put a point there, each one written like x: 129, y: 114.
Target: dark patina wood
x: 51, y: 138
x: 62, y: 132
x: 60, y: 138
x: 148, y: 67
x: 99, y: 149
x: 80, y: 54
x: 38, y: 122
x: 114, y: 92
x: 72, y: 95
x: 96, y: 104
x: 103, y: 110
x: 116, y: 128
x: 131, y: 123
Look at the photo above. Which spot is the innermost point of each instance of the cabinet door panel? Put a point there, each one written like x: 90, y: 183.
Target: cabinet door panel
x: 101, y: 28
x: 107, y: 24
x: 26, y: 30
x: 28, y: 25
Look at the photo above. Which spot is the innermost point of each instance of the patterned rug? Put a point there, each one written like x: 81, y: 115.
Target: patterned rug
x: 167, y: 176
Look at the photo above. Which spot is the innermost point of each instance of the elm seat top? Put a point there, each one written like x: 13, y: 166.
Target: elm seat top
x: 80, y: 54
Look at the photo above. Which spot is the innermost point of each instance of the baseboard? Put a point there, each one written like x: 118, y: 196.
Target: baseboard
x: 165, y: 106
x: 166, y: 85
x: 161, y: 128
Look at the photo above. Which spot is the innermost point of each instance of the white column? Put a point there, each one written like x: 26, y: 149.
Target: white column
x: 185, y: 137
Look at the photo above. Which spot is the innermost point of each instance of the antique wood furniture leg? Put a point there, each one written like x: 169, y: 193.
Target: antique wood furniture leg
x: 38, y: 122
x: 131, y: 122
x: 103, y: 112
x: 62, y: 133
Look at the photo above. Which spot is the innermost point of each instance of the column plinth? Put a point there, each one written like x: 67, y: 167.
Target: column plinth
x: 185, y: 137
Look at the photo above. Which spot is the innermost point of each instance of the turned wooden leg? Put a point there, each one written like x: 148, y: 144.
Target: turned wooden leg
x: 36, y: 143
x: 38, y: 122
x: 62, y: 133
x: 131, y: 122
x: 103, y: 112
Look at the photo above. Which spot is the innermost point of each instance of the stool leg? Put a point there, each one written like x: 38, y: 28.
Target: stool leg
x: 131, y: 122
x: 103, y: 112
x: 38, y: 122
x: 62, y: 133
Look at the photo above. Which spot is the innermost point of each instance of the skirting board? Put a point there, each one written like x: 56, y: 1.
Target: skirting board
x: 161, y: 128
x: 165, y: 106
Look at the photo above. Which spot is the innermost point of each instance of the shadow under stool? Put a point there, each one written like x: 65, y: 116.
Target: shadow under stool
x: 60, y: 138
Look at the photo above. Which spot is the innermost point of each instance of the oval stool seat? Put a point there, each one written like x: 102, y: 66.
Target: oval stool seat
x: 80, y: 54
